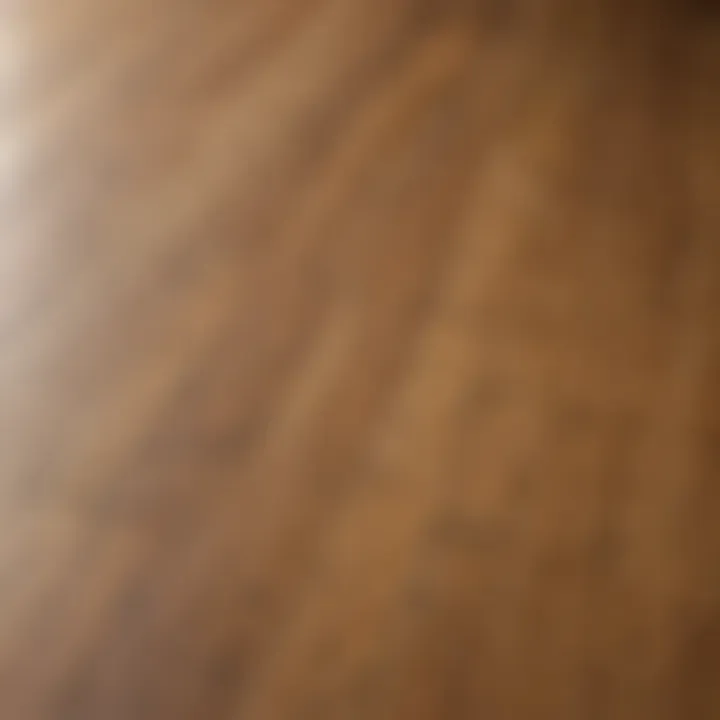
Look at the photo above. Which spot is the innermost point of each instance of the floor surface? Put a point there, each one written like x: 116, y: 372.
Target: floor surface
x: 359, y: 359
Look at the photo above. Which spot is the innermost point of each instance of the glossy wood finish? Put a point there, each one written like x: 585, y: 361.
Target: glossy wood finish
x: 359, y: 359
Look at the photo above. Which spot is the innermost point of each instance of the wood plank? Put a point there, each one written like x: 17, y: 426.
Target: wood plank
x: 359, y: 359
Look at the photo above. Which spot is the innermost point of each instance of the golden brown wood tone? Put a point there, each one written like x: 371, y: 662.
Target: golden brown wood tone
x: 359, y: 359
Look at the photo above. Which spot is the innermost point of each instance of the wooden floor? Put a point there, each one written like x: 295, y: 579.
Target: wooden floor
x: 359, y: 360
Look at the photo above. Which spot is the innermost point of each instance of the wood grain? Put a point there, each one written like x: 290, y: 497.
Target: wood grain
x: 359, y: 359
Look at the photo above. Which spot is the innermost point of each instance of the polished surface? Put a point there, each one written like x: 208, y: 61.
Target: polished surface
x: 359, y: 359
